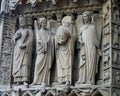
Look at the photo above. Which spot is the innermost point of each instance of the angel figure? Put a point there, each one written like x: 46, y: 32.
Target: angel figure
x: 89, y: 42
x: 65, y: 43
x: 44, y: 45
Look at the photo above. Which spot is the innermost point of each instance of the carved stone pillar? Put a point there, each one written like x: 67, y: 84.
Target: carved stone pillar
x: 115, y: 45
x: 6, y: 49
x: 111, y: 46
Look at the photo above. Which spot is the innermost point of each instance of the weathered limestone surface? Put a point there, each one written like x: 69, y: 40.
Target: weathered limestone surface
x: 76, y: 48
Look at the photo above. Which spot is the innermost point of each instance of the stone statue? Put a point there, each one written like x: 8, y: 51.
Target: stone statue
x: 45, y: 54
x: 23, y: 40
x: 53, y: 1
x: 89, y: 45
x: 13, y: 3
x: 4, y: 6
x: 64, y: 42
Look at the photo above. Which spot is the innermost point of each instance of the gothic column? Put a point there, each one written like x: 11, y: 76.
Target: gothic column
x: 7, y: 29
x: 115, y: 46
x: 111, y: 46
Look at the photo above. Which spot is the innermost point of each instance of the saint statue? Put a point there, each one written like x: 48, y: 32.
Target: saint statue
x: 45, y: 53
x: 65, y: 41
x: 89, y: 46
x: 23, y: 41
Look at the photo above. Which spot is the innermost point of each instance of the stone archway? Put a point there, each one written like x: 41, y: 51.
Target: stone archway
x: 5, y: 94
x: 50, y: 93
x: 27, y: 94
x: 96, y: 93
x: 73, y: 93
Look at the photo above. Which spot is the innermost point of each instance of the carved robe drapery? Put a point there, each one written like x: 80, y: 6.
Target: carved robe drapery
x: 22, y: 55
x: 88, y: 54
x: 65, y: 41
x: 44, y: 57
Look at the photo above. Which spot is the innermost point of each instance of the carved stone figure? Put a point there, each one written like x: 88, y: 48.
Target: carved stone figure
x: 89, y: 45
x: 4, y: 6
x: 13, y: 3
x: 23, y: 41
x: 45, y: 53
x: 33, y: 2
x: 53, y: 1
x: 64, y: 42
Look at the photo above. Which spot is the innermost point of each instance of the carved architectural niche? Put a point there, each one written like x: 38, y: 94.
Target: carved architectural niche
x: 116, y: 60
x: 115, y: 11
x: 106, y: 37
x: 116, y: 77
x: 115, y: 38
x: 106, y: 59
x: 106, y: 76
x: 106, y: 12
x: 27, y: 94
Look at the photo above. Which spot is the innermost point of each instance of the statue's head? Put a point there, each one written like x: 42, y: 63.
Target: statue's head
x: 87, y: 17
x: 22, y: 21
x: 66, y: 21
x: 43, y: 22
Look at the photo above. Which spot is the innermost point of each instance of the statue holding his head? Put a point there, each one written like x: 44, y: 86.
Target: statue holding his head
x: 65, y: 43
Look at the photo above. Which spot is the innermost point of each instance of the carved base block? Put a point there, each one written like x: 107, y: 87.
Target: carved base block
x: 20, y: 87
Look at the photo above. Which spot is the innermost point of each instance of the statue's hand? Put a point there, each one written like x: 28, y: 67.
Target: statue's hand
x: 23, y: 46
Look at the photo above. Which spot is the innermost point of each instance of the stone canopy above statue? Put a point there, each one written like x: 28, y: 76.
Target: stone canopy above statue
x: 14, y: 3
x: 7, y: 5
